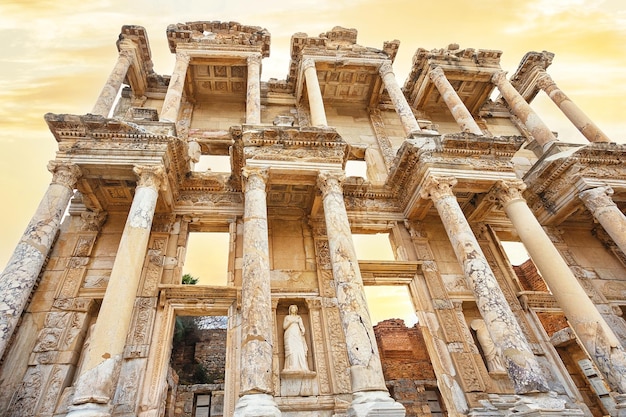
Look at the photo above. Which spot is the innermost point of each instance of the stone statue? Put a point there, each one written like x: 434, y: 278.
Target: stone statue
x: 295, y: 344
x: 490, y: 350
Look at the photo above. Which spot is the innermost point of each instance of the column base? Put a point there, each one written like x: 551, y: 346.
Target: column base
x: 528, y: 405
x: 373, y: 404
x: 89, y: 410
x: 256, y: 405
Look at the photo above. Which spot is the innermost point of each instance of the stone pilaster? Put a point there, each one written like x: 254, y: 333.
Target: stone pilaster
x: 24, y: 266
x: 598, y: 201
x: 256, y: 303
x: 522, y: 110
x: 316, y: 103
x: 583, y: 123
x: 253, y: 97
x: 585, y: 319
x: 95, y: 386
x: 116, y: 78
x: 173, y: 97
x: 370, y: 396
x: 460, y: 113
x: 407, y: 118
x: 504, y: 330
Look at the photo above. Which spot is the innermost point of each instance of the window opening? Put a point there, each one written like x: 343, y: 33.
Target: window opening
x: 213, y: 163
x: 207, y: 257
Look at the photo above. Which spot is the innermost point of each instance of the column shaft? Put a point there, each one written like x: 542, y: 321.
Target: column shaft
x: 95, y: 385
x: 605, y: 211
x: 365, y: 368
x: 585, y: 319
x: 520, y: 108
x: 20, y: 274
x: 316, y: 103
x: 114, y: 82
x: 501, y: 324
x: 256, y: 303
x: 253, y: 97
x: 407, y: 118
x: 173, y: 97
x: 583, y: 123
x: 460, y: 113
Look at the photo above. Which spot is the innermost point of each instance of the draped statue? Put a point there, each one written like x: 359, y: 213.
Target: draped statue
x: 491, y: 352
x: 295, y: 344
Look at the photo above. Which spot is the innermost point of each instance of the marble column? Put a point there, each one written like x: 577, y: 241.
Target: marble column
x: 257, y: 342
x: 522, y: 110
x: 24, y: 266
x: 407, y: 118
x: 520, y: 362
x: 95, y: 387
x: 460, y: 113
x: 253, y: 97
x: 585, y: 319
x: 316, y: 104
x: 173, y: 97
x: 583, y: 123
x: 598, y: 201
x: 116, y: 78
x: 370, y: 396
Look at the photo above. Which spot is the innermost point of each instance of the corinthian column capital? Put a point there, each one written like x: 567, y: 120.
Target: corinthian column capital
x: 436, y: 188
x: 597, y: 198
x: 150, y: 176
x: 64, y: 174
x: 544, y: 81
x: 506, y: 191
x: 330, y: 181
x: 498, y: 77
x: 183, y: 57
x: 385, y: 68
x: 254, y: 59
x: 436, y: 73
x: 308, y: 63
x: 254, y: 178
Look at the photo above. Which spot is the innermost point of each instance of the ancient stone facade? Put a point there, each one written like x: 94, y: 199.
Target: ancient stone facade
x: 88, y: 302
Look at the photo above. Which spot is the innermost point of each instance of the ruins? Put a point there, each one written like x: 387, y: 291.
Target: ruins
x: 458, y: 163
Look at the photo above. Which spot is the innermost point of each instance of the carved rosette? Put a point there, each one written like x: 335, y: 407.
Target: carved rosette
x: 150, y: 176
x: 64, y: 174
x: 436, y: 188
x: 506, y: 192
x: 598, y: 198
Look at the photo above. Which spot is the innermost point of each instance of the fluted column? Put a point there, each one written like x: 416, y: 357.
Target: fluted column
x: 116, y: 78
x: 407, y: 118
x: 21, y: 272
x: 503, y: 328
x: 520, y: 108
x: 366, y: 374
x: 599, y: 202
x: 585, y: 319
x: 256, y: 303
x: 583, y: 123
x: 460, y: 113
x: 173, y: 97
x: 253, y: 97
x: 316, y: 104
x: 95, y: 386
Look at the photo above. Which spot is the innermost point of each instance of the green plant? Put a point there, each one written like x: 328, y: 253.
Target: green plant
x: 189, y: 279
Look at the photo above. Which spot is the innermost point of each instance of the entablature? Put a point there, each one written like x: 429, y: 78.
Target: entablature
x: 556, y: 180
x: 469, y: 71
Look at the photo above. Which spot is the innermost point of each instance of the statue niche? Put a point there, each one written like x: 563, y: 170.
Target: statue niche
x: 297, y: 378
x: 295, y: 345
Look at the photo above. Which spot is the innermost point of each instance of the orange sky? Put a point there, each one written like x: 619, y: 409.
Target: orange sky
x: 56, y: 55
